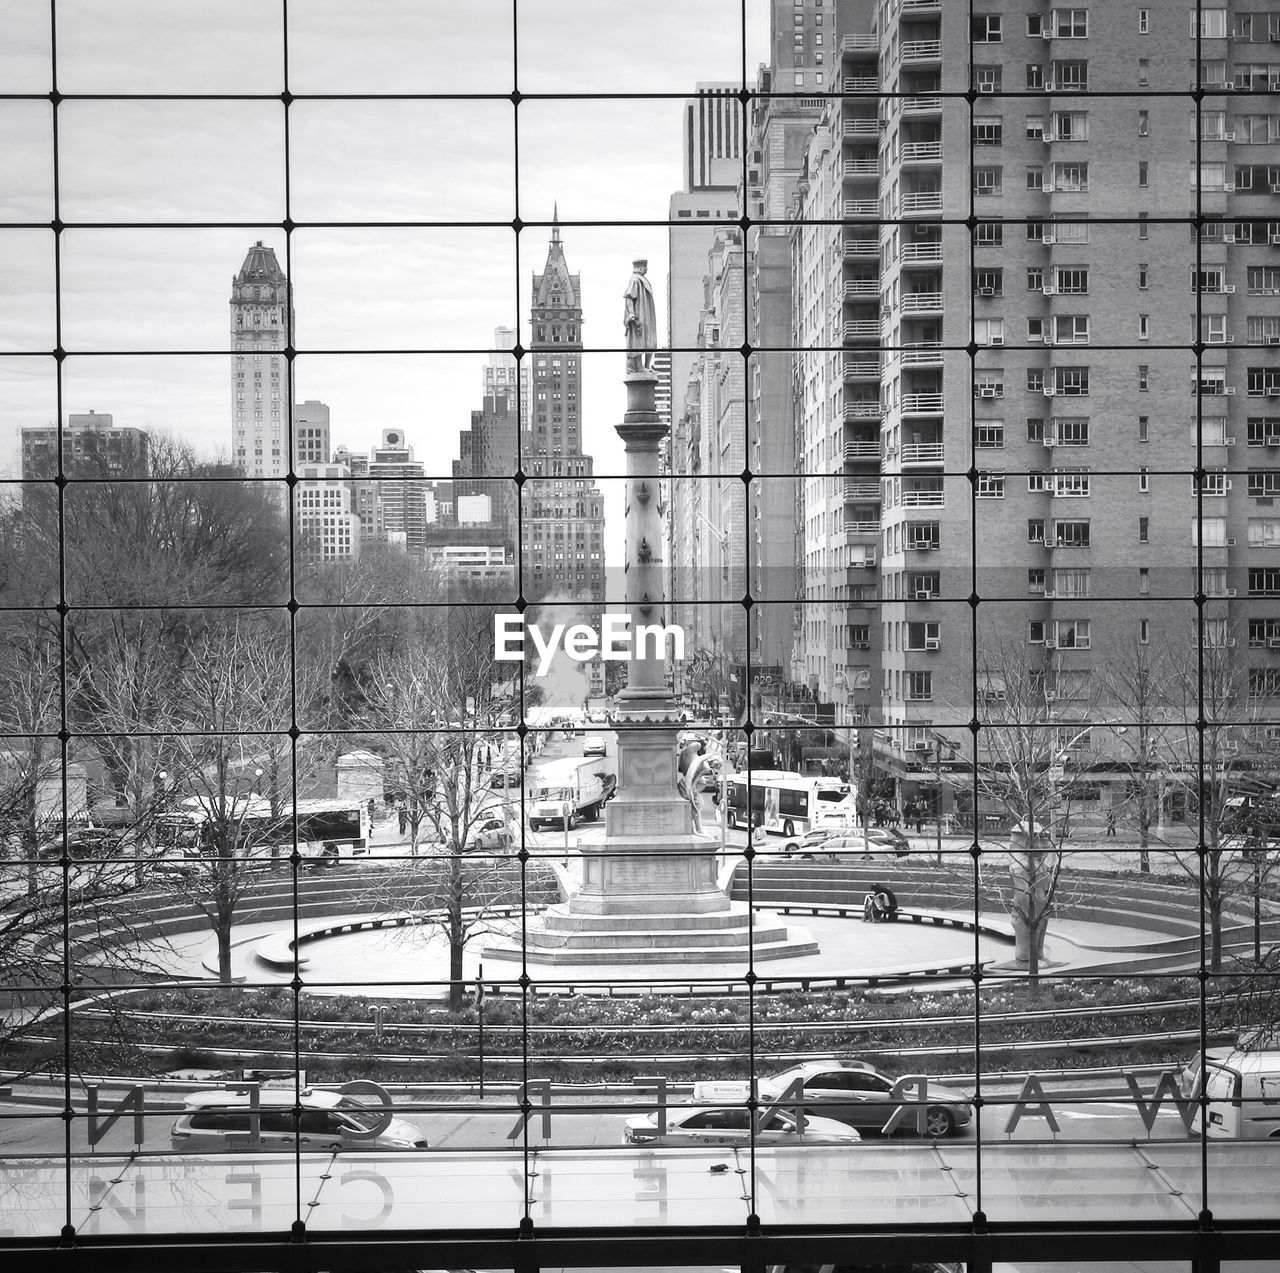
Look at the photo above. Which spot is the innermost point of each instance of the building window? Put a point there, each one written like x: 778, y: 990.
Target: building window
x: 1144, y: 326
x: 919, y: 687
x: 1142, y: 172
x: 988, y: 130
x: 1035, y: 530
x: 1144, y: 123
x: 1144, y: 377
x: 1144, y: 276
x: 986, y: 28
x: 1144, y: 21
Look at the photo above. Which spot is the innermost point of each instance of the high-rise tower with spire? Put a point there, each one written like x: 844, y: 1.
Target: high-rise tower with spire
x: 563, y: 510
x: 261, y: 328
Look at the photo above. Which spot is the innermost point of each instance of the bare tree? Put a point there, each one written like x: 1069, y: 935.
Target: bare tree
x: 1034, y: 714
x: 1139, y: 682
x: 437, y: 705
x: 236, y: 696
x: 1213, y: 763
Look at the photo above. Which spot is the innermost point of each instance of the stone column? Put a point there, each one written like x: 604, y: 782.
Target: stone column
x: 650, y: 860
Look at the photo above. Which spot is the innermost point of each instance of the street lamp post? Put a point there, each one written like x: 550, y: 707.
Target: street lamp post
x: 940, y: 742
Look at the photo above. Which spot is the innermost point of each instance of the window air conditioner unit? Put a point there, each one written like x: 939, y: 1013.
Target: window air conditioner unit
x: 1048, y: 289
x: 1050, y: 643
x: 1229, y: 290
x: 1047, y: 239
x: 1230, y: 391
x: 1228, y: 85
x: 1230, y: 543
x: 1230, y: 643
x: 1228, y: 441
x: 1229, y: 593
x: 1273, y: 643
x: 1050, y: 391
x: 986, y: 391
x: 924, y: 594
x: 933, y: 643
x: 996, y: 340
x: 1275, y: 240
x: 1273, y: 393
x: 1050, y: 595
x: 1272, y: 439
x: 1228, y: 136
x: 1051, y: 441
x: 1228, y: 238
x: 986, y: 88
x: 986, y: 291
x: 1047, y: 187
x: 1273, y: 340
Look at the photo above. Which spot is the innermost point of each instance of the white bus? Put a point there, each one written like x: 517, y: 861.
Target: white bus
x: 788, y: 803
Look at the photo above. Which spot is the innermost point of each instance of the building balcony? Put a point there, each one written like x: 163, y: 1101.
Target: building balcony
x: 922, y: 303
x: 860, y: 247
x: 860, y: 329
x: 920, y: 253
x: 927, y: 203
x: 861, y: 526
x: 865, y: 450
x: 861, y: 490
x: 861, y: 368
x: 859, y: 208
x: 859, y: 288
x: 922, y: 152
x: 924, y: 499
x: 918, y: 7
x: 921, y: 355
x: 869, y: 128
x: 859, y: 43
x: 925, y: 105
x: 922, y: 453
x: 861, y: 170
x: 922, y: 404
x: 863, y: 409
x: 916, y: 52
x: 860, y: 84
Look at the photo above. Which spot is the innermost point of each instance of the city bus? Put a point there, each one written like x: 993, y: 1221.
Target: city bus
x: 787, y: 803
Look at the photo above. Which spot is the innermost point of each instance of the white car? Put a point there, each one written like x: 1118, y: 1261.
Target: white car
x: 853, y: 1094
x: 731, y: 1125
x: 328, y: 1121
x: 593, y: 745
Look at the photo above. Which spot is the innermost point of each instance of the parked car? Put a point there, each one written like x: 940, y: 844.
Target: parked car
x: 731, y: 1125
x: 81, y: 843
x: 850, y: 1092
x: 493, y: 833
x: 593, y: 745
x: 878, y: 844
x: 329, y: 1120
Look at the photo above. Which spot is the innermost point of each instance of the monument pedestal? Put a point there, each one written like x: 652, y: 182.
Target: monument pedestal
x: 649, y: 893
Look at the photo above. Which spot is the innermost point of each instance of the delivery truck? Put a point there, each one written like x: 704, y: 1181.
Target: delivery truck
x: 562, y: 793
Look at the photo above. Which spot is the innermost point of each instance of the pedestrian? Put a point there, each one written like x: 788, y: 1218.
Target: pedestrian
x: 1111, y: 820
x: 920, y: 817
x: 402, y: 816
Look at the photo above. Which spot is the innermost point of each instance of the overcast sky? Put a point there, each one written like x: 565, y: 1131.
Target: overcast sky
x: 135, y: 289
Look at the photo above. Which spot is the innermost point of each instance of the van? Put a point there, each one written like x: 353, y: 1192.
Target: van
x: 1244, y: 1096
x: 328, y: 1121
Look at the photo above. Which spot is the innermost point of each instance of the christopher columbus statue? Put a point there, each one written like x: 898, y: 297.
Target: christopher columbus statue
x: 640, y: 320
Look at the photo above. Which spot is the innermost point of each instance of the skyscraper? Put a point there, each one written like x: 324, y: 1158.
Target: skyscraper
x: 562, y: 509
x: 261, y: 328
x: 1058, y: 381
x: 403, y: 491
